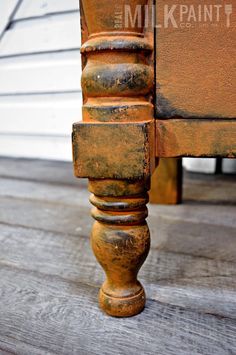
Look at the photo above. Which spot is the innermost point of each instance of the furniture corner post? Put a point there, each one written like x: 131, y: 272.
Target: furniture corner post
x: 114, y: 146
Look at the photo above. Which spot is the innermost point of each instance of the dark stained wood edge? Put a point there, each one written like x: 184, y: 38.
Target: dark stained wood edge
x: 166, y: 182
x: 195, y: 138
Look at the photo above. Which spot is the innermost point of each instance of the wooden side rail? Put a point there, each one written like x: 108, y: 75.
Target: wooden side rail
x: 196, y: 138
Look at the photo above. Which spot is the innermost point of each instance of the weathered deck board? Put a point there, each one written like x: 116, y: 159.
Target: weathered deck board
x: 49, y: 277
x: 204, y: 284
x: 44, y: 305
x: 169, y: 231
x: 39, y: 170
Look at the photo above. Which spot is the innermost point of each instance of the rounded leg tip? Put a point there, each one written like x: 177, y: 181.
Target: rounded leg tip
x: 122, y: 307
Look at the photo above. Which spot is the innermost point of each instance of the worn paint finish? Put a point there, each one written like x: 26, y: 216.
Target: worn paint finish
x: 166, y: 182
x: 196, y: 138
x: 113, y: 150
x: 196, y: 73
x: 115, y: 147
x: 120, y: 240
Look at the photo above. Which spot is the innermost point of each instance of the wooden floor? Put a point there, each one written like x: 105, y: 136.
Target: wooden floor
x: 49, y: 278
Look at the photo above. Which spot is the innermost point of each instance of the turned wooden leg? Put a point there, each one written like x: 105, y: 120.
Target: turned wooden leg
x: 114, y: 146
x: 120, y: 241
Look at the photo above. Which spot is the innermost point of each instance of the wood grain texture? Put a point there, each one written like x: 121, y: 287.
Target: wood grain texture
x: 51, y: 171
x: 49, y: 278
x: 203, y: 284
x: 117, y: 84
x: 50, y: 303
x: 196, y: 138
x: 195, y: 65
x: 166, y: 182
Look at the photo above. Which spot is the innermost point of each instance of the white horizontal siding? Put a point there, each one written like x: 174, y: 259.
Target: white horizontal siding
x: 203, y: 165
x: 40, y: 69
x: 53, y: 33
x: 40, y: 73
x: 7, y: 9
x: 37, y: 8
x: 43, y: 147
x: 47, y: 114
x: 50, y: 72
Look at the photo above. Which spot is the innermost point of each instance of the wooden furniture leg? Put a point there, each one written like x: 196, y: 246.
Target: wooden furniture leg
x: 114, y: 148
x: 166, y: 182
x: 120, y: 241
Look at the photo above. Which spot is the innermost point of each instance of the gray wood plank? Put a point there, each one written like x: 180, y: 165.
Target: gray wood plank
x: 10, y: 346
x: 214, y: 189
x: 63, y: 317
x: 171, y: 230
x: 56, y: 172
x: 208, y: 286
x: 46, y: 216
x: 45, y: 192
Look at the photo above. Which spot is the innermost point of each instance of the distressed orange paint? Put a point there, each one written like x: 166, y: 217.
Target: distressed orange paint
x: 166, y: 182
x: 196, y: 73
x: 196, y: 138
x: 132, y: 143
x: 115, y: 147
x: 121, y: 241
x: 116, y: 144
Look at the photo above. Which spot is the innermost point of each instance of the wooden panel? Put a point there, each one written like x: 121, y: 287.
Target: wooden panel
x: 196, y: 73
x: 40, y: 114
x: 42, y: 73
x: 59, y: 32
x: 38, y: 8
x: 197, y: 138
x: 7, y: 8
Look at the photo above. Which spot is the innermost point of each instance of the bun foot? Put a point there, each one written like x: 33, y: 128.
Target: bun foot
x: 124, y: 306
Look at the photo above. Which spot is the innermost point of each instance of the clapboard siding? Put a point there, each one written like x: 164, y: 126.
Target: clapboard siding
x: 37, y: 8
x: 53, y: 33
x: 7, y: 11
x: 50, y: 72
x: 40, y: 69
x: 38, y: 146
x: 47, y: 114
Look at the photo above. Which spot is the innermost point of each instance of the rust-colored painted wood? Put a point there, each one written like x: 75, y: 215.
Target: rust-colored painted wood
x: 132, y: 155
x: 117, y: 83
x: 196, y: 73
x: 166, y: 182
x: 195, y: 138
